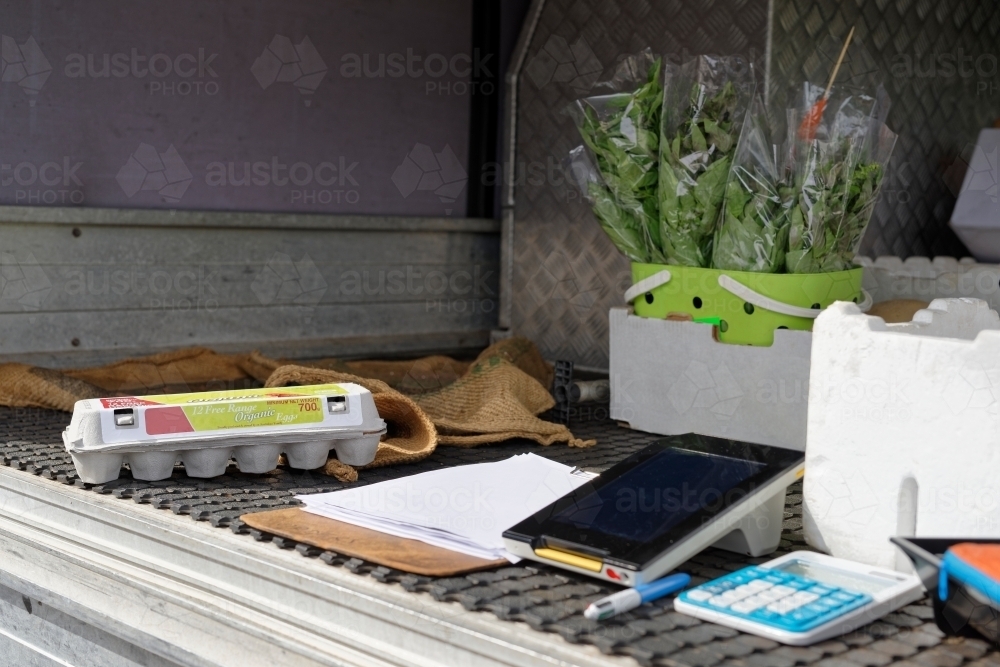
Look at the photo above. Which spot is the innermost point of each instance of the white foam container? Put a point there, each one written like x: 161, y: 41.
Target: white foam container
x: 888, y: 278
x: 674, y: 377
x: 904, y: 430
x: 204, y: 431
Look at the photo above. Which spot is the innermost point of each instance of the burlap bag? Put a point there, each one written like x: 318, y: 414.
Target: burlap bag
x: 411, y: 377
x: 410, y: 436
x: 416, y: 376
x: 425, y: 401
x: 495, y: 401
x: 522, y: 353
x: 190, y: 369
x: 498, y: 397
x: 23, y: 386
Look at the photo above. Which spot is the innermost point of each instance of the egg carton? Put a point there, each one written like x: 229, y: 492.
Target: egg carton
x: 203, y: 431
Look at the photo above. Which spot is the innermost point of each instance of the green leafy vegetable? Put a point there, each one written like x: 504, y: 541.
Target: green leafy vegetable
x: 834, y: 201
x: 836, y: 177
x: 624, y: 230
x: 622, y: 132
x: 753, y: 234
x: 694, y: 167
x: 679, y: 172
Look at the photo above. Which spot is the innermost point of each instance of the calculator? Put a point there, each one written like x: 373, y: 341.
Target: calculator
x: 801, y: 598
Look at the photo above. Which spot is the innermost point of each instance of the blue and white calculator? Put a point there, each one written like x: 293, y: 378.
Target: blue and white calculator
x: 801, y: 598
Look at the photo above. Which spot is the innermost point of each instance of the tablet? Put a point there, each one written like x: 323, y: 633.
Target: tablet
x: 654, y: 510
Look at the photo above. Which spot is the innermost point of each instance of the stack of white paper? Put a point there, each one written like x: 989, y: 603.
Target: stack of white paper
x: 465, y: 509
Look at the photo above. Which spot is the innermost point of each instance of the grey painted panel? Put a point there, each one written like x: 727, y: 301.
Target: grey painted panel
x: 195, y: 93
x: 89, y: 294
x: 369, y: 346
x: 130, y: 330
x: 89, y: 287
x: 242, y: 220
x: 54, y: 245
x: 48, y: 268
x: 167, y: 105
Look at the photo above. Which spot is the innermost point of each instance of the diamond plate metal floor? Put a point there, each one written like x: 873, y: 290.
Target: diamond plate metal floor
x: 546, y: 599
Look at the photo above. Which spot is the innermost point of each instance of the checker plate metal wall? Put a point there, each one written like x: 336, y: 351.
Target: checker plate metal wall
x: 936, y: 114
x: 566, y: 274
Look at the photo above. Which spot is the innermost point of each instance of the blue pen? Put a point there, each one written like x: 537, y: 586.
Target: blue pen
x: 630, y: 598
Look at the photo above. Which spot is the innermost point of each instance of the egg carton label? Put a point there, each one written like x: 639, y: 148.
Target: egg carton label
x: 136, y: 418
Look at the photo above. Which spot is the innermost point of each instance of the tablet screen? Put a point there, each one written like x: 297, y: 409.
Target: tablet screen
x: 660, y: 493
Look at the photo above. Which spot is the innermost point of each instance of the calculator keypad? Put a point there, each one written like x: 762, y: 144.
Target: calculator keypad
x: 771, y: 597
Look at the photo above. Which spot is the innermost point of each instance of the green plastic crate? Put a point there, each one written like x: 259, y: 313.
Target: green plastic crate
x: 745, y: 307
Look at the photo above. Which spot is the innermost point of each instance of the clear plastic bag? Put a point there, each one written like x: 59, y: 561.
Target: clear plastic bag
x: 838, y: 167
x: 620, y: 129
x: 753, y: 230
x: 621, y: 225
x: 704, y: 104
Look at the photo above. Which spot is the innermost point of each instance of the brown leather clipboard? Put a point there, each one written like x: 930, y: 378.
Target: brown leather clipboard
x: 370, y: 545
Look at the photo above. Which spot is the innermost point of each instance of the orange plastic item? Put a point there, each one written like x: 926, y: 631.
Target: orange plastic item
x: 807, y: 130
x: 983, y: 557
x: 809, y: 125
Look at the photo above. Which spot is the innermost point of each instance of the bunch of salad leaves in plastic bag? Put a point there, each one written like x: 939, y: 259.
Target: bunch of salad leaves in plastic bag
x: 836, y: 193
x: 836, y: 174
x: 684, y: 171
x: 621, y: 132
x: 705, y: 102
x: 620, y: 224
x: 753, y: 232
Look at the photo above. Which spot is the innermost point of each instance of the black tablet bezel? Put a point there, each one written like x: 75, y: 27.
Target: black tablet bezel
x: 541, y: 531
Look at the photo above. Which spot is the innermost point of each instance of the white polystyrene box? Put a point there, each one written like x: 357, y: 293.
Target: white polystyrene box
x: 672, y: 377
x: 976, y: 216
x: 903, y: 430
x: 921, y: 278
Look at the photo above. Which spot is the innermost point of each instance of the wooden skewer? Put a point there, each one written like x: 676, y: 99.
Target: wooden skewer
x: 840, y: 61
x: 807, y: 129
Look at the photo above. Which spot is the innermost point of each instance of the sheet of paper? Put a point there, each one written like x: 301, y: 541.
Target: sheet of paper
x: 465, y: 508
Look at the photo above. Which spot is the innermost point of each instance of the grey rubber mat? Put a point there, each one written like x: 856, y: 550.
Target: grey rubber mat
x: 546, y: 599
